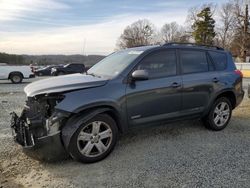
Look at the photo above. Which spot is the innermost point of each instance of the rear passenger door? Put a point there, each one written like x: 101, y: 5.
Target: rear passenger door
x: 199, y: 79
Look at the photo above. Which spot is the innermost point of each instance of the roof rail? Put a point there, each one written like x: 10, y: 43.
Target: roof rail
x: 192, y: 44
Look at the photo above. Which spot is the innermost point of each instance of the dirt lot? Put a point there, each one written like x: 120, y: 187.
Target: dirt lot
x: 182, y: 154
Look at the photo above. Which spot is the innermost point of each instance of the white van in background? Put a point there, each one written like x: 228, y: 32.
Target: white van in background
x: 15, y: 73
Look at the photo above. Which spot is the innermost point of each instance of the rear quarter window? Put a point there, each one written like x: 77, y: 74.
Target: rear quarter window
x: 219, y: 59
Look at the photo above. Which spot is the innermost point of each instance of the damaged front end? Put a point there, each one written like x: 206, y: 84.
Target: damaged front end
x: 38, y: 129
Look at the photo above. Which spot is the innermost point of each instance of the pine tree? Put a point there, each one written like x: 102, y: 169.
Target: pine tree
x: 203, y: 27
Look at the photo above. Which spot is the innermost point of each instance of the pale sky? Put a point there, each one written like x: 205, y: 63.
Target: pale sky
x: 61, y: 27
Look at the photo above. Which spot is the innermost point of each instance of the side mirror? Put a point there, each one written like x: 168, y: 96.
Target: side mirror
x: 140, y: 75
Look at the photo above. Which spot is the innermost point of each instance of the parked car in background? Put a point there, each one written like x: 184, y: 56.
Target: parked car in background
x: 15, y: 73
x: 82, y: 114
x: 46, y: 71
x: 35, y: 67
x: 68, y: 69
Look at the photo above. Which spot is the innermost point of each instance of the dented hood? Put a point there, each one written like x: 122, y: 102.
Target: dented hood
x: 63, y: 83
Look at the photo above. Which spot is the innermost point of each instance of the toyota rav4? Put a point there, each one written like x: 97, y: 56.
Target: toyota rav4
x: 82, y: 114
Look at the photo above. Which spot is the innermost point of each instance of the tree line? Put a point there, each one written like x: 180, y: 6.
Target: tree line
x: 11, y: 58
x: 226, y: 26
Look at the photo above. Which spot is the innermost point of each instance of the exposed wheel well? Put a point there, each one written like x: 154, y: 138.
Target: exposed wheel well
x: 13, y: 73
x: 230, y: 95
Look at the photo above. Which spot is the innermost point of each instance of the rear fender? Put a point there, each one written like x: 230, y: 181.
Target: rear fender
x: 15, y: 72
x: 213, y: 99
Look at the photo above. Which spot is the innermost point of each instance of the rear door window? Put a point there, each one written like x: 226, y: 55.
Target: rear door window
x: 219, y: 59
x: 193, y: 61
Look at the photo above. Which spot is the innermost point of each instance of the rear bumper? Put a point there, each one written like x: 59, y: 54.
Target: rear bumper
x: 47, y: 147
x: 239, y: 98
x: 248, y: 90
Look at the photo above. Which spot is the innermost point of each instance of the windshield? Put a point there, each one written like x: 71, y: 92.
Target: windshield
x: 114, y: 63
x: 47, y: 67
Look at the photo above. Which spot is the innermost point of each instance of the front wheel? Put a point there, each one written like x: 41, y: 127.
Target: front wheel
x: 219, y: 115
x: 60, y: 73
x: 94, y: 140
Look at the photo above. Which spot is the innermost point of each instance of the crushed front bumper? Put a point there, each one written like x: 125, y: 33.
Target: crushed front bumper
x: 48, y: 147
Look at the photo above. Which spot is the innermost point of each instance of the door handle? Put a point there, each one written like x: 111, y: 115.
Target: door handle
x: 175, y: 85
x: 215, y: 80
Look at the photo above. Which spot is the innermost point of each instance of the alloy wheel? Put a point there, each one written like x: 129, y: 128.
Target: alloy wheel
x: 221, y: 114
x: 94, y: 139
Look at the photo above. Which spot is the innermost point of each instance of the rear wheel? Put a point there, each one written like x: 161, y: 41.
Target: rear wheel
x: 219, y: 115
x: 94, y: 140
x: 16, y: 78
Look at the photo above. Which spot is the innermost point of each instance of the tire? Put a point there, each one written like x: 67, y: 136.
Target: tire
x: 219, y: 114
x: 60, y: 73
x: 40, y: 74
x: 16, y: 78
x: 87, y: 144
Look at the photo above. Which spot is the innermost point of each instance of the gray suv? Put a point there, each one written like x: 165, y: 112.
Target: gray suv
x: 82, y: 114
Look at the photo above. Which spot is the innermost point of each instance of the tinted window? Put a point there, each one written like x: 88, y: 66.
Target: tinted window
x: 159, y: 64
x: 79, y: 66
x: 193, y: 61
x: 219, y: 59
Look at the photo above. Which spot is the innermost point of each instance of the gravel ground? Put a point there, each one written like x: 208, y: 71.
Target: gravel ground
x: 182, y: 154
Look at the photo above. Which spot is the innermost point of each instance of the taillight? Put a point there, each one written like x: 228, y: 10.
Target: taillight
x: 32, y: 69
x: 239, y: 73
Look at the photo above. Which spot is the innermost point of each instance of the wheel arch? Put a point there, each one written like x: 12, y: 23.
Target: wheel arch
x: 77, y: 119
x: 15, y: 72
x: 225, y: 93
x: 229, y: 95
x: 108, y: 109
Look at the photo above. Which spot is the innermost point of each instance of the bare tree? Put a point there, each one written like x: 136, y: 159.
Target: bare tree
x: 241, y: 41
x: 225, y: 30
x: 170, y: 32
x: 173, y: 32
x: 139, y: 33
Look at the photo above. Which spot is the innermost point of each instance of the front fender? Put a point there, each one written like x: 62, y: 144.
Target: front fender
x: 108, y: 95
